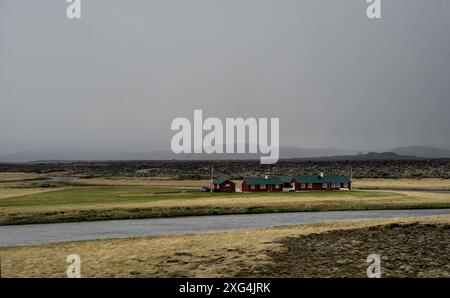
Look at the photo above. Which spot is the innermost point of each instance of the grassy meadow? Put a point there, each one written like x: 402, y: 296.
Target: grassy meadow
x: 425, y: 184
x: 26, y: 199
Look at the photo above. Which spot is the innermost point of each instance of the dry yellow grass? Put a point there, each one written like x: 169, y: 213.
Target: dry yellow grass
x: 398, y: 184
x: 6, y: 192
x: 202, y: 255
x: 161, y: 182
x: 401, y: 197
x: 123, y: 207
x: 405, y: 184
x: 388, y: 184
x: 283, y: 200
x: 12, y: 176
x: 10, y: 181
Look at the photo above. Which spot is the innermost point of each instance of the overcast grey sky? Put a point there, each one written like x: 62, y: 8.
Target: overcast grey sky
x: 117, y: 78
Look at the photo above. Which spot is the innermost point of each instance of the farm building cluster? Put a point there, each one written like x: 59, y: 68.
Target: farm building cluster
x: 285, y: 183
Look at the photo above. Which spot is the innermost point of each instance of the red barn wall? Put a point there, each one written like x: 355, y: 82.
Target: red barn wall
x: 222, y: 187
x: 317, y: 186
x: 269, y: 188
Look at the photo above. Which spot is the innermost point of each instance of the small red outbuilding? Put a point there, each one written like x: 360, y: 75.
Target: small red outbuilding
x: 224, y: 185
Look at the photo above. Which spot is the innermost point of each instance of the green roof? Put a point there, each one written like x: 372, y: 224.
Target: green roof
x: 324, y: 179
x: 262, y: 181
x: 219, y: 180
x: 285, y: 179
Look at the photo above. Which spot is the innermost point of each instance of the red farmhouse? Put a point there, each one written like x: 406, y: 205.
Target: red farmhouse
x: 224, y: 185
x: 262, y: 184
x: 321, y: 182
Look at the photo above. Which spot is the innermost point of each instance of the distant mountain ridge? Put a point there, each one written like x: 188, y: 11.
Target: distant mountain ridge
x: 49, y: 155
x: 423, y: 151
x: 368, y: 156
x: 411, y: 152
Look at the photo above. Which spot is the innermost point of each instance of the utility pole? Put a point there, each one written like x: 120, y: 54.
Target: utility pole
x: 212, y: 177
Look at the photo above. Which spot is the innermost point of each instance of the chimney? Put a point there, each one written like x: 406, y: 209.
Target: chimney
x: 321, y: 175
x: 267, y: 177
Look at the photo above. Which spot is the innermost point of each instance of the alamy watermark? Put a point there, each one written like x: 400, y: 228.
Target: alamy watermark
x: 224, y: 138
x: 374, y: 269
x: 374, y: 9
x: 74, y: 269
x: 73, y: 11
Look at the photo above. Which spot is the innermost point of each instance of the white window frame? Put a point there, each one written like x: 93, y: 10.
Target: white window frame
x: 277, y: 186
x: 324, y: 185
x: 263, y: 186
x: 303, y: 185
x: 252, y: 186
x: 345, y: 185
x: 310, y: 185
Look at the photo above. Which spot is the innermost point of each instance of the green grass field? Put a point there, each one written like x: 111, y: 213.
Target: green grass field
x: 138, y: 194
x: 26, y: 202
